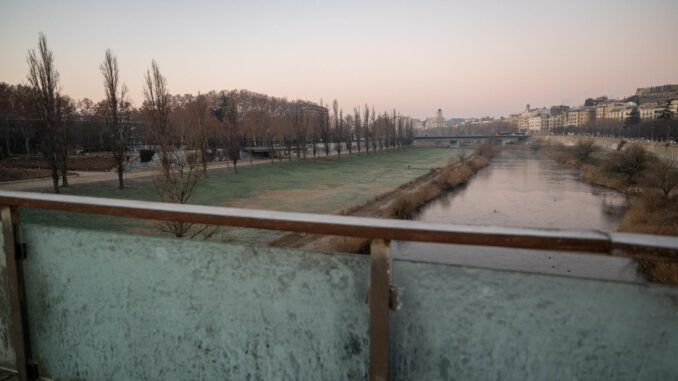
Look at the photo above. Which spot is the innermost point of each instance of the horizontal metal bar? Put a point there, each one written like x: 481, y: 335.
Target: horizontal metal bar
x: 375, y: 228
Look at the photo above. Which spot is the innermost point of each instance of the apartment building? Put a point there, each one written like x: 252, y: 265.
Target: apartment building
x: 650, y: 111
x: 620, y: 111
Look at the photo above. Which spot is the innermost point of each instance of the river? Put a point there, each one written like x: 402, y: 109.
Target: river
x: 521, y: 188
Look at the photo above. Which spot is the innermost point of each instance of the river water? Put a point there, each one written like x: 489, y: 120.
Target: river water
x: 521, y: 188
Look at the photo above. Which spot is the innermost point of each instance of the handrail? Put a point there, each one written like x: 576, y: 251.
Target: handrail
x: 617, y: 244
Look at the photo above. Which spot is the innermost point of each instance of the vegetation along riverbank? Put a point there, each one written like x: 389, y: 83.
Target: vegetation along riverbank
x: 650, y: 182
x: 400, y: 203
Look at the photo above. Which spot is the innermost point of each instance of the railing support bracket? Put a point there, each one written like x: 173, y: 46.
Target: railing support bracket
x: 15, y: 253
x: 379, y: 301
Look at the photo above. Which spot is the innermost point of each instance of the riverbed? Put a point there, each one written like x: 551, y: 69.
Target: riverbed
x: 521, y: 188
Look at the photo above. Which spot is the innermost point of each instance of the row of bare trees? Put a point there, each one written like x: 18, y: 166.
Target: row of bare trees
x: 223, y: 124
x: 242, y: 121
x: 661, y: 129
x: 188, y: 131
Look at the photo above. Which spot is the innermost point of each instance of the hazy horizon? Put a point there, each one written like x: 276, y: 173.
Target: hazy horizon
x: 470, y: 60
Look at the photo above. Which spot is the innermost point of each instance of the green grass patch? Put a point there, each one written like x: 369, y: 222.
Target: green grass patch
x: 315, y: 186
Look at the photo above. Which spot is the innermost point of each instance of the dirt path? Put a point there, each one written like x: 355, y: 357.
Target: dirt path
x: 86, y: 177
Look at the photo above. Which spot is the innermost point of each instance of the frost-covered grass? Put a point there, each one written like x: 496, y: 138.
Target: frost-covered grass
x: 316, y: 186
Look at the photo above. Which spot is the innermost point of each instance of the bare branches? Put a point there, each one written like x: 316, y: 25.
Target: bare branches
x: 44, y: 81
x: 116, y: 111
x: 179, y: 171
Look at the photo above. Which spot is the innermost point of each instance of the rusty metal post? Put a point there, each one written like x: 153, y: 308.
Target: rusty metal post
x: 14, y: 255
x: 380, y: 265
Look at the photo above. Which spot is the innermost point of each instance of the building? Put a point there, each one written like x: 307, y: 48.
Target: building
x: 556, y: 121
x: 514, y: 120
x: 437, y: 121
x: 620, y: 111
x: 417, y: 124
x: 524, y: 119
x: 580, y: 116
x: 601, y: 110
x: 539, y: 120
x: 650, y: 111
x: 572, y: 118
x: 587, y: 114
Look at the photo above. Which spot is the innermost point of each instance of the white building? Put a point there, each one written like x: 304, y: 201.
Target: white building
x: 650, y: 111
x: 437, y: 121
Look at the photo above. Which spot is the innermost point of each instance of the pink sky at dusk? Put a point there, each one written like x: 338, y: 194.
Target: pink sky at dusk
x: 468, y: 58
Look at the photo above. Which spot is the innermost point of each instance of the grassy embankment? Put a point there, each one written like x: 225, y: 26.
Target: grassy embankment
x: 401, y: 203
x: 648, y: 182
x: 315, y: 186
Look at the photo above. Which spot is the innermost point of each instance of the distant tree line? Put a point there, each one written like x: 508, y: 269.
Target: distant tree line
x: 187, y: 129
x: 663, y: 129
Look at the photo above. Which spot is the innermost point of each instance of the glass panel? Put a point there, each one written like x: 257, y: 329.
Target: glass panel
x: 478, y: 324
x: 110, y: 305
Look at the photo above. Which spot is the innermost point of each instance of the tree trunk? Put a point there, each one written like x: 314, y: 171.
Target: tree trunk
x: 9, y: 150
x: 120, y: 170
x: 298, y: 153
x: 64, y: 171
x: 55, y: 174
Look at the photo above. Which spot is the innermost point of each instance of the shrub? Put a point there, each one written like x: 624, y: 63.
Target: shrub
x: 485, y: 149
x: 630, y: 162
x: 584, y: 148
x: 535, y: 145
x: 478, y: 162
x: 662, y: 175
x: 146, y: 155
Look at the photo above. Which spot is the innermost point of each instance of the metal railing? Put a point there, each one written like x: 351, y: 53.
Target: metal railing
x: 381, y: 231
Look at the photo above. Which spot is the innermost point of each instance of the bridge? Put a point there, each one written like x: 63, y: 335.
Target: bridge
x: 196, y: 309
x: 456, y: 140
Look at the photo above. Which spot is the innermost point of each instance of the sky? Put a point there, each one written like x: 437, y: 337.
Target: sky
x: 468, y: 58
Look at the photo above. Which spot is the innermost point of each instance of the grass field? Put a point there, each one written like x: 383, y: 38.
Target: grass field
x: 315, y: 186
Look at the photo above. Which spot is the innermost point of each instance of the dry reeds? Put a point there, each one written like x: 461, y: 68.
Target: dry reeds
x: 560, y: 153
x: 404, y: 206
x: 595, y: 175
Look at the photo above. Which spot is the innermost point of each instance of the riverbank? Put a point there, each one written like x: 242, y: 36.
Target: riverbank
x: 661, y: 149
x: 312, y: 186
x: 400, y: 203
x: 648, y: 183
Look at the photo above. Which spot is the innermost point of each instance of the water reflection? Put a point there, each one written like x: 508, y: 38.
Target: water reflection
x: 524, y: 189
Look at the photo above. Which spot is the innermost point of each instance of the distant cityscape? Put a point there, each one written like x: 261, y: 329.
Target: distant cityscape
x: 649, y: 102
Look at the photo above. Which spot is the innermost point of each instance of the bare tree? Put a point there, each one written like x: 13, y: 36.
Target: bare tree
x: 366, y: 128
x: 227, y: 114
x: 179, y: 174
x: 356, y: 129
x: 373, y: 126
x: 585, y: 148
x: 662, y: 174
x: 337, y: 122
x: 325, y: 134
x: 66, y: 111
x: 44, y: 81
x: 117, y: 111
x: 348, y: 132
x: 299, y: 130
x: 201, y: 128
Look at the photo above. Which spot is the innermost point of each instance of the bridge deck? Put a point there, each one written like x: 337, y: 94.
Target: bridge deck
x: 472, y: 137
